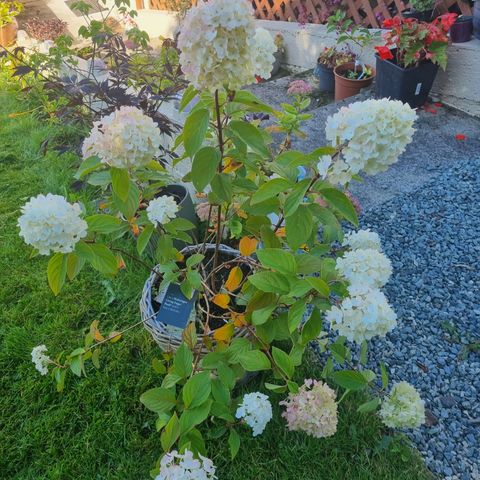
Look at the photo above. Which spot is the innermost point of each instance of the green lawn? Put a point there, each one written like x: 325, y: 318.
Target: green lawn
x: 97, y: 429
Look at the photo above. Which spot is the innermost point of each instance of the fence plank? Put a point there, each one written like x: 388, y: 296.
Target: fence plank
x: 366, y: 12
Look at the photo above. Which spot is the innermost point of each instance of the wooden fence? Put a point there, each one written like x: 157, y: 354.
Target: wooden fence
x: 370, y: 13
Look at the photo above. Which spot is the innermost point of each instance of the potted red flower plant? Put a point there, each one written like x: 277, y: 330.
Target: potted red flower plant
x: 408, y: 62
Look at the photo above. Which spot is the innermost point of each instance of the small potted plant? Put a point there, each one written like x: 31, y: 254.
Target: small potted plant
x: 408, y: 62
x: 422, y: 10
x: 8, y: 24
x: 279, y: 54
x: 328, y: 59
x: 351, y: 77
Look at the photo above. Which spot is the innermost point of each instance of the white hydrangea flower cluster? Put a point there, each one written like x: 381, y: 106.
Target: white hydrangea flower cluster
x: 364, y: 268
x: 162, y: 209
x: 312, y: 410
x: 403, y: 408
x: 363, y: 239
x: 41, y: 360
x: 363, y: 316
x: 366, y: 313
x: 323, y: 166
x: 221, y: 47
x: 175, y: 466
x: 50, y: 223
x: 256, y: 410
x: 372, y: 135
x: 264, y: 53
x: 127, y: 138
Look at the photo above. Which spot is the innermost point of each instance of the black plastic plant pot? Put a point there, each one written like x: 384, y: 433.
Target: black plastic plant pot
x: 476, y: 19
x: 461, y: 31
x: 425, y: 16
x: 410, y: 85
x: 326, y: 78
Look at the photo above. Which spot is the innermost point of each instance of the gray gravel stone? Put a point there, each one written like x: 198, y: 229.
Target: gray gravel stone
x: 436, y: 280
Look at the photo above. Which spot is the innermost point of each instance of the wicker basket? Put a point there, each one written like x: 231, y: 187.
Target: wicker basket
x: 167, y: 338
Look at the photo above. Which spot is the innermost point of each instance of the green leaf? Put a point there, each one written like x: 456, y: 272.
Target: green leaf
x: 197, y: 389
x: 312, y: 328
x: 299, y: 227
x: 222, y: 187
x: 369, y: 406
x: 88, y: 166
x: 188, y: 95
x: 170, y: 433
x: 283, y: 361
x: 364, y: 352
x: 74, y: 265
x: 261, y: 316
x: 120, y: 182
x: 194, y: 416
x: 248, y: 98
x: 292, y: 387
x: 99, y: 256
x: 276, y: 388
x: 194, y: 131
x: 204, y: 167
x: 183, y: 361
x: 220, y: 392
x: 130, y: 206
x: 295, y: 314
x: 308, y: 264
x: 384, y: 372
x: 269, y: 190
x: 319, y: 285
x: 251, y: 135
x: 103, y: 223
x: 278, y: 259
x: 237, y: 347
x: 341, y: 203
x: 57, y: 272
x: 234, y: 443
x: 158, y: 400
x: 295, y: 197
x: 144, y: 238
x: 254, y: 360
x: 350, y: 379
x: 270, y: 282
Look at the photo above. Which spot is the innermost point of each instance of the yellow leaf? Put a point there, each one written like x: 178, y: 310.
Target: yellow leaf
x: 96, y: 332
x: 230, y: 165
x: 281, y: 232
x: 114, y: 337
x: 135, y: 229
x: 225, y: 333
x: 222, y: 300
x: 248, y: 245
x: 241, y: 213
x: 234, y: 279
x: 238, y: 319
x: 180, y: 257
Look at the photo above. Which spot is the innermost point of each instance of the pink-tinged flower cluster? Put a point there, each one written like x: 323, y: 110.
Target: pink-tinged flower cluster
x: 299, y: 87
x: 312, y: 410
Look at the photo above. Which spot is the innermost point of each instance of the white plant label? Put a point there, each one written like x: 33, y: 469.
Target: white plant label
x: 417, y: 90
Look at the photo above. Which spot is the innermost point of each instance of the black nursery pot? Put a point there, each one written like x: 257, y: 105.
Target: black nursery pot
x: 410, y: 85
x: 326, y: 77
x: 425, y: 16
x: 461, y: 31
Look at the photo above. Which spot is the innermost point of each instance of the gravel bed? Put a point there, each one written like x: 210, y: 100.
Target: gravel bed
x: 432, y: 237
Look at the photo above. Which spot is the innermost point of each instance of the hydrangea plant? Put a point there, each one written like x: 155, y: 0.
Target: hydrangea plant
x: 296, y: 274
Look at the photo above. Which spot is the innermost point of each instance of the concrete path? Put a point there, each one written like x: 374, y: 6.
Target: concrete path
x: 433, y: 149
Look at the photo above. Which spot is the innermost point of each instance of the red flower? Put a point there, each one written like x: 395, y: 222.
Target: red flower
x: 392, y: 22
x: 384, y: 53
x: 460, y: 136
x: 447, y: 20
